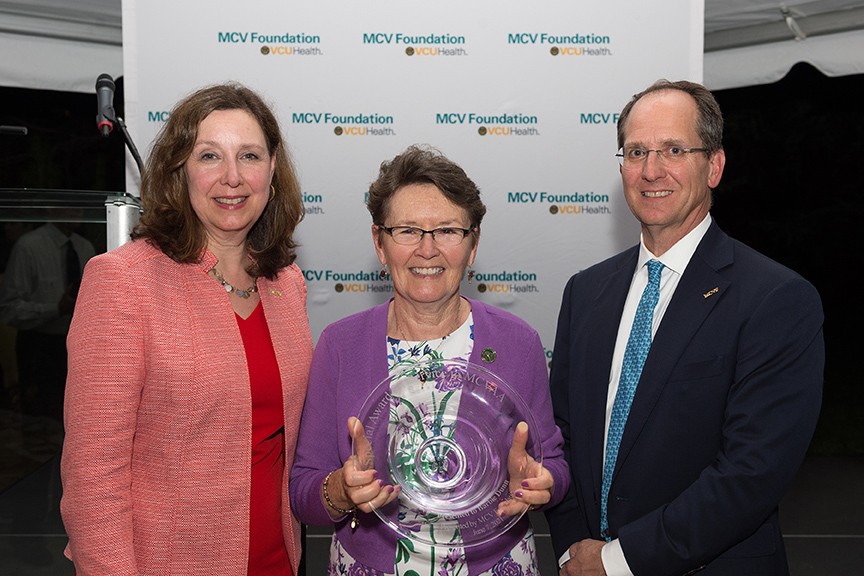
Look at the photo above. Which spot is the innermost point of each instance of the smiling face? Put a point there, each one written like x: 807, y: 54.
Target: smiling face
x: 229, y: 174
x: 425, y: 273
x: 668, y: 199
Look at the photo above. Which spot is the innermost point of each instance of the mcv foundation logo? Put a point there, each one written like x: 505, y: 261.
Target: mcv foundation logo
x: 158, y: 116
x: 350, y: 282
x: 506, y: 281
x: 349, y: 124
x: 493, y: 124
x: 589, y: 44
x: 421, y: 44
x: 576, y: 203
x: 313, y: 204
x: 279, y: 44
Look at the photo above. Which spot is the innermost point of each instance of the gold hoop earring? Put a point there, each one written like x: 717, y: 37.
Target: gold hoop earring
x: 272, y: 193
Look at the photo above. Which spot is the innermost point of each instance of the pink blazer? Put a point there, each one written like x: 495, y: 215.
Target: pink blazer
x: 156, y: 459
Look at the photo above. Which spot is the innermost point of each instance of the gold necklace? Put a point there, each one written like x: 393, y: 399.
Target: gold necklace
x: 229, y: 288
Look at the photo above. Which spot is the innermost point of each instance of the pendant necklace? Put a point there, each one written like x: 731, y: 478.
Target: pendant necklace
x: 229, y: 288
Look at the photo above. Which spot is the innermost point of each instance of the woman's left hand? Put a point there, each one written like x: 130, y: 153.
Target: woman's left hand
x: 530, y: 483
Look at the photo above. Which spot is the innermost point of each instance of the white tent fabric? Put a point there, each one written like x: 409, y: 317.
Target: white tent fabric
x: 751, y: 42
x: 59, y: 44
x: 834, y: 55
x: 66, y: 44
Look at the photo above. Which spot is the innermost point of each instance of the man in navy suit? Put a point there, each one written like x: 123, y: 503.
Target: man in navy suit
x: 727, y: 399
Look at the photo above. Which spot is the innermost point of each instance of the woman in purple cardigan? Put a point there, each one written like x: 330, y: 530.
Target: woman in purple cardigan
x: 426, y: 216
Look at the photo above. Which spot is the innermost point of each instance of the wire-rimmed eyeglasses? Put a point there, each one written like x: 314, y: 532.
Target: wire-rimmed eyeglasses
x: 632, y: 157
x: 447, y: 236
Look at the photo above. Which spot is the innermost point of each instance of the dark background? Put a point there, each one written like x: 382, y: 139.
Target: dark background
x: 792, y: 190
x: 63, y: 149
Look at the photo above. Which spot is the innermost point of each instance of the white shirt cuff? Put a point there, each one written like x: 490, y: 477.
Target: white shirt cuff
x: 565, y: 557
x: 613, y: 560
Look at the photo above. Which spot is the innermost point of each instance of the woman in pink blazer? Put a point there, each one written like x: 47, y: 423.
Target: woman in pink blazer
x: 189, y: 355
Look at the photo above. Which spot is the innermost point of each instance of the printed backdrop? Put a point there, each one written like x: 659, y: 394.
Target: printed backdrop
x: 523, y: 95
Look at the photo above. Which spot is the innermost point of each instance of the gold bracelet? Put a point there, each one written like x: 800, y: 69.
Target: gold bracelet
x: 352, y: 510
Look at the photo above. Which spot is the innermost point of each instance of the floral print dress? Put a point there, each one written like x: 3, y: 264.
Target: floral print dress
x: 415, y: 558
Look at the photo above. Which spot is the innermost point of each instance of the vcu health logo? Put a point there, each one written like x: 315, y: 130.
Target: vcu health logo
x: 349, y: 124
x: 506, y: 281
x: 420, y: 45
x: 576, y: 203
x: 276, y: 44
x: 493, y: 124
x: 349, y: 282
x: 565, y: 45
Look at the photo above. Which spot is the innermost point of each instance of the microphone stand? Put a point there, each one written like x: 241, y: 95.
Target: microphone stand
x: 106, y: 117
x: 130, y: 144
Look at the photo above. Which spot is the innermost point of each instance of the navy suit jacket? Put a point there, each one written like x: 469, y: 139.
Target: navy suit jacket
x: 722, y: 416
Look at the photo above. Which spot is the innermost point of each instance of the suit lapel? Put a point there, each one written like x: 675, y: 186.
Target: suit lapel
x: 602, y: 330
x: 700, y: 289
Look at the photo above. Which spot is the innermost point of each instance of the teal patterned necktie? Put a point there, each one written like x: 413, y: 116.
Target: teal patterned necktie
x: 634, y: 358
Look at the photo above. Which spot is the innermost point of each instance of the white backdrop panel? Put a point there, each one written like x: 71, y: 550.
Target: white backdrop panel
x: 524, y: 96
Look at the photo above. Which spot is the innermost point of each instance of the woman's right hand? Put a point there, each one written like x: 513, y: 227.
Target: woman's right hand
x: 353, y: 484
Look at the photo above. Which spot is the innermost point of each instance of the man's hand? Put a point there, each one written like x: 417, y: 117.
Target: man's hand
x: 584, y: 559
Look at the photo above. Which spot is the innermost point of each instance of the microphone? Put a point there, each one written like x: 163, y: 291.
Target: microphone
x: 105, y: 104
x: 106, y: 118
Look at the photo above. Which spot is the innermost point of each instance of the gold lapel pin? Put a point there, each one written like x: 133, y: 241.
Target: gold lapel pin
x: 712, y: 292
x: 275, y: 292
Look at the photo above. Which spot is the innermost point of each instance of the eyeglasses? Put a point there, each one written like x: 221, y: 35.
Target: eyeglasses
x: 408, y: 235
x: 634, y: 157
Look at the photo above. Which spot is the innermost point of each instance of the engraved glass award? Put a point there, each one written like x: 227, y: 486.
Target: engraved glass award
x: 442, y: 431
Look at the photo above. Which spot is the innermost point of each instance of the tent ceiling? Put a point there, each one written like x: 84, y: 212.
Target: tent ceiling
x: 738, y: 23
x: 91, y: 21
x: 746, y: 41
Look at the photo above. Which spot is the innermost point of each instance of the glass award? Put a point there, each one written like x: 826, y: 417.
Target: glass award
x: 442, y: 430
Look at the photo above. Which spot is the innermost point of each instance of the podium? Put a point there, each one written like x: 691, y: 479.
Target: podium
x: 118, y: 211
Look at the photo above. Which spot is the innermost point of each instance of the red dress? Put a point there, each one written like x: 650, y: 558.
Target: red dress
x: 267, y: 553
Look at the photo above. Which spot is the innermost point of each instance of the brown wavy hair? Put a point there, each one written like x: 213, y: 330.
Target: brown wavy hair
x: 170, y: 223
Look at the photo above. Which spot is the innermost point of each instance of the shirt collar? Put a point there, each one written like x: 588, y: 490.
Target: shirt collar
x: 679, y: 255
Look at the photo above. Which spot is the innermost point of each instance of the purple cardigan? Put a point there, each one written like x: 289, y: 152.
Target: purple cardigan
x: 349, y: 361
